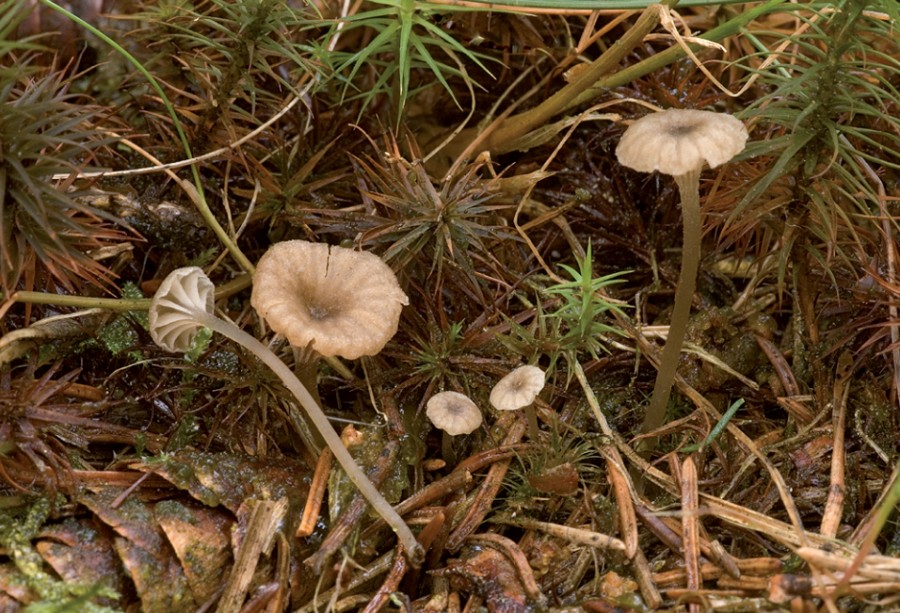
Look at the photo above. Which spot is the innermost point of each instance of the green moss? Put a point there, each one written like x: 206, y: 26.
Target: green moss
x: 18, y: 527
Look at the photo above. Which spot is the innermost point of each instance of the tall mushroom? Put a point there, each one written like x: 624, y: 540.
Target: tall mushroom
x: 184, y: 303
x: 678, y: 143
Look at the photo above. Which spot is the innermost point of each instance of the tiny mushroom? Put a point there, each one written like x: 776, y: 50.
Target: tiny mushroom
x: 184, y: 303
x: 678, y: 143
x: 454, y: 414
x: 518, y: 390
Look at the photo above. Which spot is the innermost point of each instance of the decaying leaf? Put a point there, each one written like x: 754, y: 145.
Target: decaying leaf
x: 230, y: 479
x: 488, y: 574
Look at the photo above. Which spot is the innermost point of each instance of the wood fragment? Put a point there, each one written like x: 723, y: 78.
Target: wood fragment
x: 623, y: 488
x: 262, y: 527
x: 573, y: 535
x: 690, y: 525
x: 316, y: 494
x: 644, y: 577
x: 834, y: 504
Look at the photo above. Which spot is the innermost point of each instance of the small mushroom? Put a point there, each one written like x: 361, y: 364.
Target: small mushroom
x: 454, y: 414
x: 327, y: 301
x: 678, y: 143
x: 517, y: 390
x: 184, y: 303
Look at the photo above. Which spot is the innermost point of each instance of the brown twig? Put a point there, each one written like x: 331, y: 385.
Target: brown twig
x: 488, y: 490
x: 644, y: 576
x: 690, y: 521
x: 580, y: 536
x: 621, y: 482
x: 316, y: 494
x: 834, y: 505
x: 401, y: 566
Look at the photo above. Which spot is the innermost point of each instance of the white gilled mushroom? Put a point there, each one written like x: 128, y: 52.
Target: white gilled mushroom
x: 184, y: 303
x: 678, y: 143
x: 454, y: 414
x: 517, y: 390
x: 327, y: 301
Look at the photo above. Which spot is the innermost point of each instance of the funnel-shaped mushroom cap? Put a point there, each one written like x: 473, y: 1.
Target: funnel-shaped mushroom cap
x: 517, y: 389
x: 454, y: 413
x: 341, y: 302
x: 183, y: 293
x: 677, y: 141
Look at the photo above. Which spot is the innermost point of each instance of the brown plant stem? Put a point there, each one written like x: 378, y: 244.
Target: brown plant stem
x: 519, y: 125
x: 689, y: 188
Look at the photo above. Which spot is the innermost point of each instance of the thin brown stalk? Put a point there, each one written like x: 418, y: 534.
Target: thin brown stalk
x: 401, y: 566
x: 622, y: 488
x: 659, y: 528
x: 755, y: 567
x: 316, y: 494
x: 579, y: 536
x: 834, y: 505
x: 487, y: 457
x: 723, y: 559
x: 690, y: 520
x: 644, y: 576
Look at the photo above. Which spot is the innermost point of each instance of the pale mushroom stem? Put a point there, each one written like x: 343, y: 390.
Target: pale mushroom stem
x: 689, y: 188
x: 413, y: 550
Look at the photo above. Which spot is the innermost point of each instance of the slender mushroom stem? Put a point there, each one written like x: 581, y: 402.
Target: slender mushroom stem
x: 447, y: 451
x: 534, y: 432
x: 689, y: 188
x: 320, y: 421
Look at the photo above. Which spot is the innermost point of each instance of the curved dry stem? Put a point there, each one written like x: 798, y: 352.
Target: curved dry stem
x: 689, y: 188
x: 320, y: 421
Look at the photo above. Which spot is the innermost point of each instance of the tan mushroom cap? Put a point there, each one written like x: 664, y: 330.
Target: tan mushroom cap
x: 339, y: 301
x: 679, y: 141
x: 517, y: 389
x: 454, y: 413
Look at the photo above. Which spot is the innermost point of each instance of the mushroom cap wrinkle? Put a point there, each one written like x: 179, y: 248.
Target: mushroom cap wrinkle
x: 339, y: 301
x: 454, y: 413
x: 518, y: 389
x: 679, y: 141
x: 171, y: 317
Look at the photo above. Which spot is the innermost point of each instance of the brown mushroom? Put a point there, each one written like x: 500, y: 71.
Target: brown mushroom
x: 337, y: 301
x: 327, y: 301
